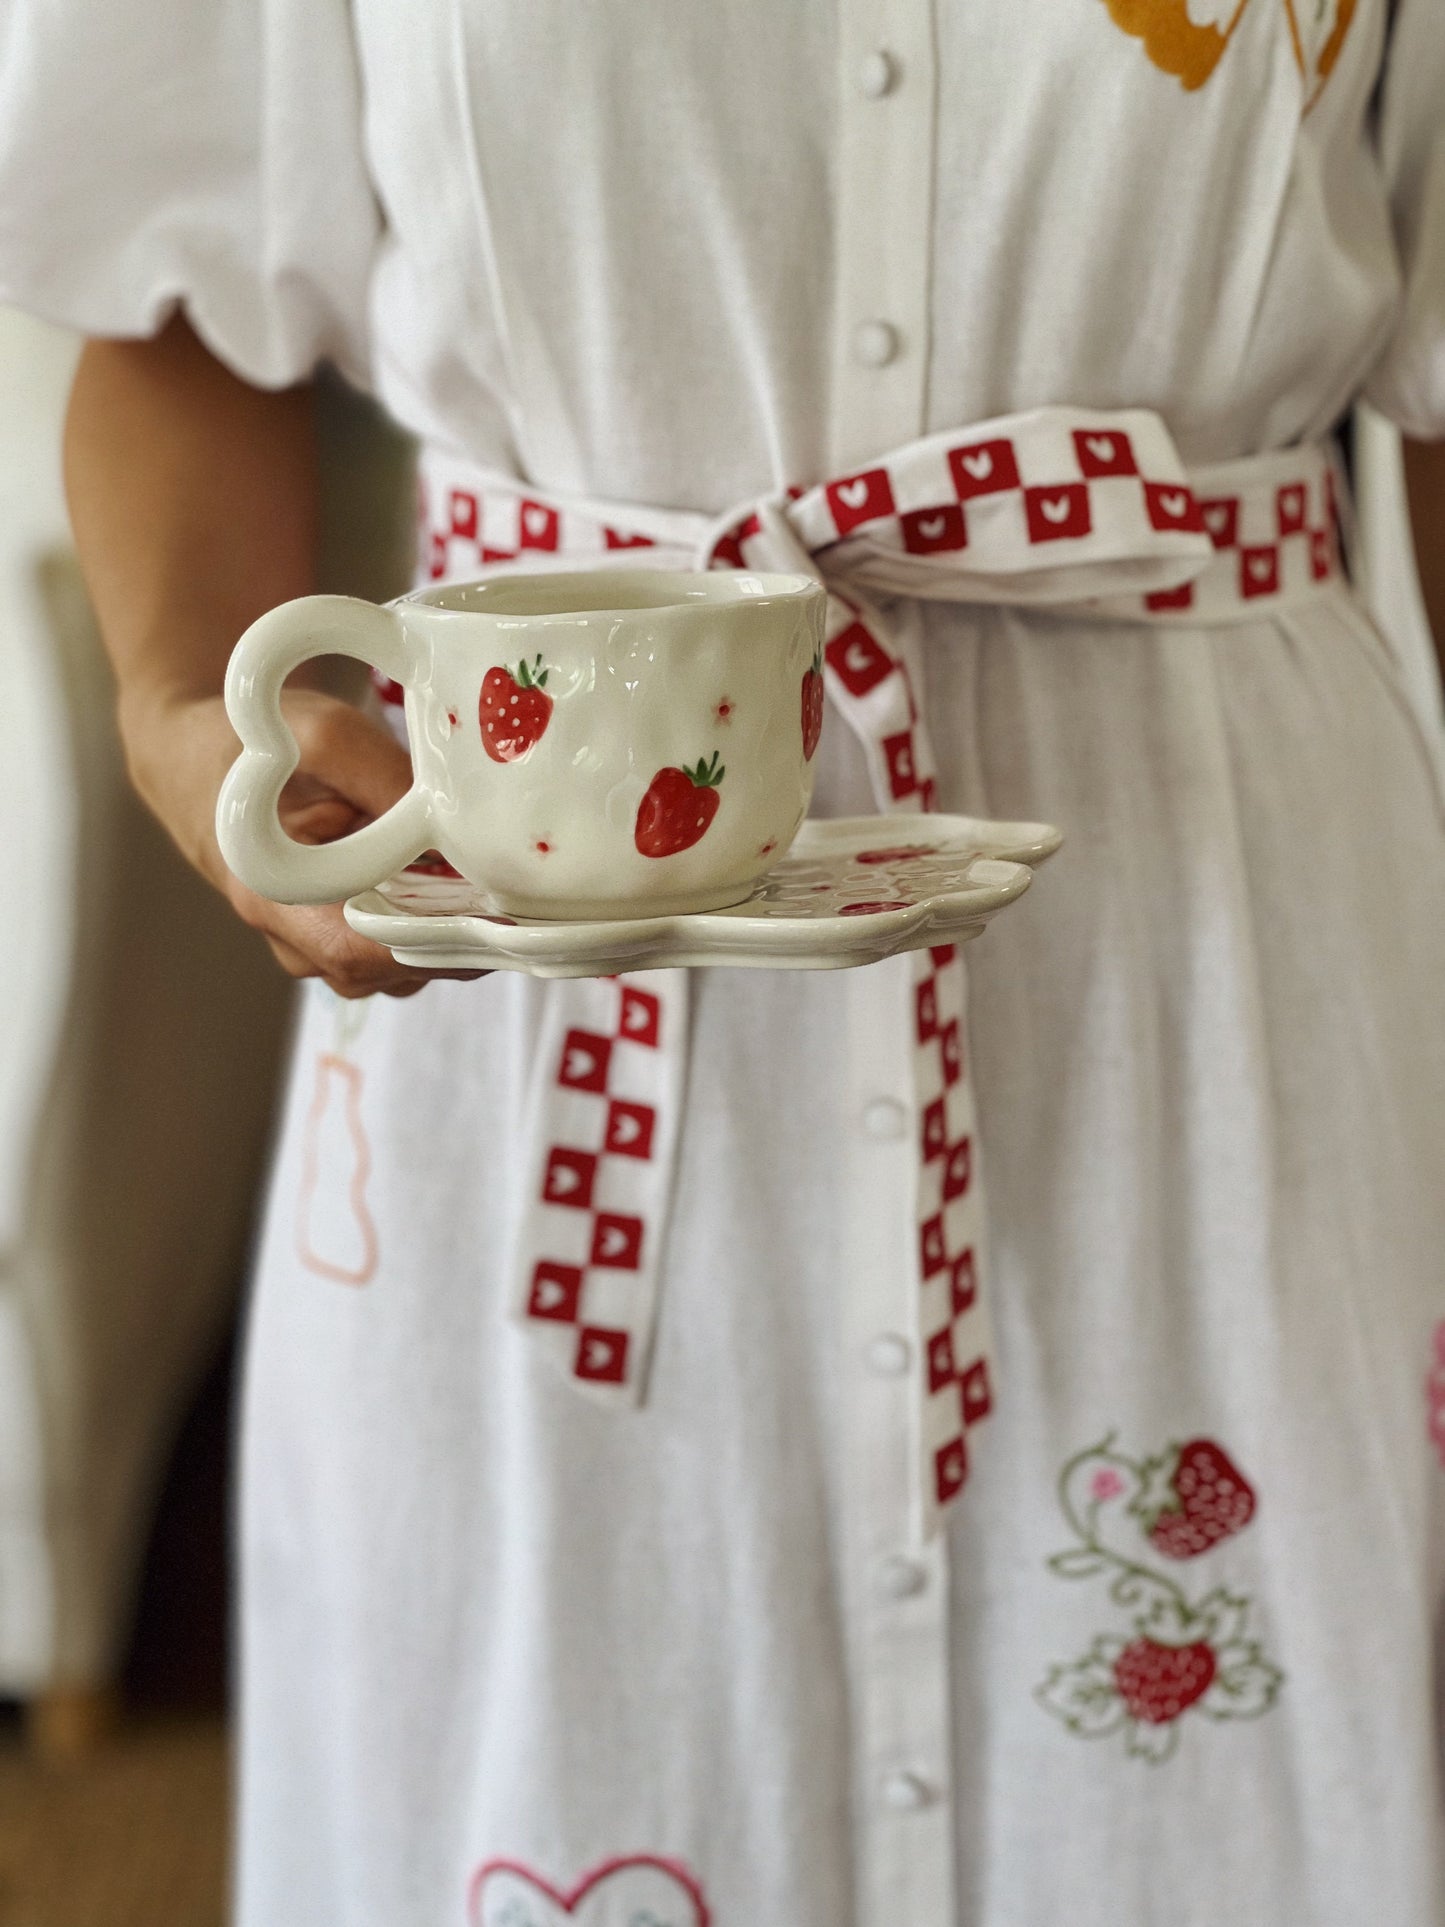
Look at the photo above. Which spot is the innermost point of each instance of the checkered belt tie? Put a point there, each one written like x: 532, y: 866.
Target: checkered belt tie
x: 1058, y: 508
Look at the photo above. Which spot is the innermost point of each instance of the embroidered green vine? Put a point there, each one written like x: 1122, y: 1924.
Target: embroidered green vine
x: 1180, y: 1654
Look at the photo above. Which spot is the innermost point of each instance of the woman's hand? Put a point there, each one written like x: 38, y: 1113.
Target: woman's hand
x: 351, y: 770
x: 194, y: 501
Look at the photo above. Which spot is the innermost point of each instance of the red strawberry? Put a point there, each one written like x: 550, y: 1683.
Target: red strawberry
x: 514, y: 711
x: 1157, y: 1683
x: 678, y: 806
x: 812, y: 707
x: 1212, y: 1499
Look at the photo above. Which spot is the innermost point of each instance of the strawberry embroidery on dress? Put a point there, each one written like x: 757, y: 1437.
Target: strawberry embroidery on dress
x: 1179, y: 1654
x: 1205, y: 1499
x: 1435, y: 1394
x: 514, y: 711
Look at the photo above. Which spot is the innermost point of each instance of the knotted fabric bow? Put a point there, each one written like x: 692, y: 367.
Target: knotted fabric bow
x: 1058, y: 507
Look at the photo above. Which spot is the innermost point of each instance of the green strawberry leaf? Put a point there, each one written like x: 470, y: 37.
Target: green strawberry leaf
x: 1085, y: 1696
x: 1245, y: 1684
x: 1081, y: 1562
x: 1150, y: 1742
x: 1224, y: 1615
x: 1156, y: 1492
x: 1172, y: 1621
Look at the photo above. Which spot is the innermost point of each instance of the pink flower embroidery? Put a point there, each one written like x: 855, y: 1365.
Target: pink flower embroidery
x: 1106, y: 1484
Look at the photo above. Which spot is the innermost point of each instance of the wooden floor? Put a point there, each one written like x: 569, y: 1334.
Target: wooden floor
x: 133, y: 1836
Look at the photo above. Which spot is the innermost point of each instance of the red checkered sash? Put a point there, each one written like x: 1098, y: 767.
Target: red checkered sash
x: 1059, y: 508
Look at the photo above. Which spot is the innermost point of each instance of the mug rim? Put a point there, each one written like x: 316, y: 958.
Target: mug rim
x: 690, y: 589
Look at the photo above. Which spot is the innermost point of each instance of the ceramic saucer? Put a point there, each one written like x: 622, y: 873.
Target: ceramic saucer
x: 850, y: 891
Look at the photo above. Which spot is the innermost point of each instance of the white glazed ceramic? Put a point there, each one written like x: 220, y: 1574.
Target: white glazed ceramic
x: 852, y: 890
x: 611, y: 743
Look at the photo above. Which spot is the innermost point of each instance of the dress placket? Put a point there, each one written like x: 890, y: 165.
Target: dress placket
x: 884, y: 171
x: 898, y: 1584
x: 884, y: 188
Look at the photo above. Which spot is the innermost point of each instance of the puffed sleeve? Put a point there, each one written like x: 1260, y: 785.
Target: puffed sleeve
x: 1409, y: 383
x: 204, y: 153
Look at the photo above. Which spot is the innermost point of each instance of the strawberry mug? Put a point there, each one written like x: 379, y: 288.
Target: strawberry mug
x: 610, y: 743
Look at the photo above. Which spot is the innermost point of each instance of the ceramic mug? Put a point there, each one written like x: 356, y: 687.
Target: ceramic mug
x: 609, y: 743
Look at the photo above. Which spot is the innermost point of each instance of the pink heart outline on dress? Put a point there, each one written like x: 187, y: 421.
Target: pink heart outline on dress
x: 570, y: 1900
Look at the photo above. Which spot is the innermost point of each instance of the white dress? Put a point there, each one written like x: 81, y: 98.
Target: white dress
x: 510, y: 1660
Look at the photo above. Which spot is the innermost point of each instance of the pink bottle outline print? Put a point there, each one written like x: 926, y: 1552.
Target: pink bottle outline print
x: 335, y: 1071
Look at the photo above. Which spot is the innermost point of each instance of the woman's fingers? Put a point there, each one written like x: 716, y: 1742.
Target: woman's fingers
x: 351, y: 771
x: 347, y: 759
x: 310, y: 940
x: 297, y: 965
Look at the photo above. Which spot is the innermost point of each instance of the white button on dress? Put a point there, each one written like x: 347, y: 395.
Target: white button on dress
x: 907, y: 1792
x: 875, y: 343
x: 888, y: 1355
x: 885, y: 1118
x: 901, y: 1578
x: 878, y: 74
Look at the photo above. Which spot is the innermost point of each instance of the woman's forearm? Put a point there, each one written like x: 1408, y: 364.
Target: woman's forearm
x: 1425, y: 482
x: 194, y: 502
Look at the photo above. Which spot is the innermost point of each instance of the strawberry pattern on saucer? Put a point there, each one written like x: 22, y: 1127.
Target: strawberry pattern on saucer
x: 847, y: 893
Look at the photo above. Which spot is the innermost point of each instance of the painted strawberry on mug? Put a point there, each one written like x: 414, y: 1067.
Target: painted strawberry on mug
x: 678, y: 807
x: 812, y: 707
x: 514, y: 711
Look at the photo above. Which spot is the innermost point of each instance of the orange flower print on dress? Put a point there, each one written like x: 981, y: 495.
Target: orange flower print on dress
x: 1189, y: 38
x: 1178, y: 42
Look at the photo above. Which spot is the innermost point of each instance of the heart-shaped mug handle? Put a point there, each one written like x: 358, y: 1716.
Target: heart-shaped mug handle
x: 248, y: 826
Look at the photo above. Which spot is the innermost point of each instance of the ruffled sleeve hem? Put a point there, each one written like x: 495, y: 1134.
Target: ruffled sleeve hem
x: 158, y: 155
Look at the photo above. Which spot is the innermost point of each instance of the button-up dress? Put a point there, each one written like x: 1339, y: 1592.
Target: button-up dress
x: 510, y: 1659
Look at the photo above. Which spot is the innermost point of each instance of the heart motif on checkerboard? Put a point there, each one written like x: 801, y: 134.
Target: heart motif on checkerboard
x: 638, y: 1891
x: 1217, y: 517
